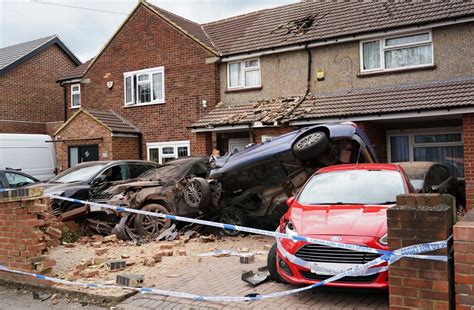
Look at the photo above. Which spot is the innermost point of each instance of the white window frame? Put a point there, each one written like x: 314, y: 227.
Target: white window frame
x: 161, y: 145
x: 75, y: 92
x: 411, y: 133
x: 134, y: 87
x: 243, y: 69
x: 384, y: 48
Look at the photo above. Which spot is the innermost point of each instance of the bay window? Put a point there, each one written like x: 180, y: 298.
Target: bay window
x: 144, y: 87
x: 444, y: 147
x: 394, y: 53
x: 244, y: 74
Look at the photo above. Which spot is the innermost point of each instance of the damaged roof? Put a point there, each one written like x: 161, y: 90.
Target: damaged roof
x: 391, y: 99
x: 308, y: 21
x: 109, y: 119
x: 264, y: 111
x: 14, y: 55
x: 382, y: 100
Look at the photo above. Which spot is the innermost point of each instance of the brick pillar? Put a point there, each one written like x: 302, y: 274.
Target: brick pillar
x: 464, y: 262
x: 416, y: 283
x: 468, y: 136
x: 27, y: 229
x: 377, y: 135
x: 203, y: 144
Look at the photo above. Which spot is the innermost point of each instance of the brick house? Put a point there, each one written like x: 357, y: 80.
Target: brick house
x: 403, y: 71
x: 158, y: 83
x: 30, y: 99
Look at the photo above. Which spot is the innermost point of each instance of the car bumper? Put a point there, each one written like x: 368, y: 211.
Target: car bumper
x: 295, y: 274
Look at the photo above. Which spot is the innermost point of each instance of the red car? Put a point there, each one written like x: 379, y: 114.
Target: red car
x: 346, y: 204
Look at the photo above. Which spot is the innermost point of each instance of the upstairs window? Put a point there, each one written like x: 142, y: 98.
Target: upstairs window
x: 144, y: 87
x: 244, y: 74
x: 75, y: 95
x: 395, y: 53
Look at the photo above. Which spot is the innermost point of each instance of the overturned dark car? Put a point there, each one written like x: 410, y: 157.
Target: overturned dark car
x: 255, y: 183
x: 248, y: 187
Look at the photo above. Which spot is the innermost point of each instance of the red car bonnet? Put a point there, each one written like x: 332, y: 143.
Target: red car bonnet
x: 349, y: 220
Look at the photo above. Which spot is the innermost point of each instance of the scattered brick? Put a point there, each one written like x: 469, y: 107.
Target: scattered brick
x: 166, y: 246
x: 111, y: 238
x: 90, y: 273
x: 149, y: 262
x: 101, y: 251
x: 181, y: 252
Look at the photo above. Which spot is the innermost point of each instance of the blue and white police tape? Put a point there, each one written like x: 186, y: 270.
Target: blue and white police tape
x: 357, y: 270
x: 275, y: 234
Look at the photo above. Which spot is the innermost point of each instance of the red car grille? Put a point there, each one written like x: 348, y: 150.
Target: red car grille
x: 326, y: 254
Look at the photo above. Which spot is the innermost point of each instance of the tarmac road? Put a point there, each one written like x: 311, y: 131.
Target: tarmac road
x: 22, y: 298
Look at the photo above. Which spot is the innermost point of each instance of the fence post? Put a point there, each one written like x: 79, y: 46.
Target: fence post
x: 416, y: 283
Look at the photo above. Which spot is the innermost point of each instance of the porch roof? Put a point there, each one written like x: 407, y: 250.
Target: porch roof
x: 449, y: 94
x: 109, y: 119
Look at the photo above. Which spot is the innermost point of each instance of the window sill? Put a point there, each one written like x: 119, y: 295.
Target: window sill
x: 368, y: 74
x: 74, y: 108
x: 238, y: 90
x: 142, y: 104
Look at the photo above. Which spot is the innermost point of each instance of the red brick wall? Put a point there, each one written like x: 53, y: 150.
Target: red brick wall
x: 146, y: 41
x: 468, y: 136
x: 22, y: 127
x: 377, y: 135
x: 464, y: 262
x: 29, y: 92
x: 27, y: 229
x: 125, y: 148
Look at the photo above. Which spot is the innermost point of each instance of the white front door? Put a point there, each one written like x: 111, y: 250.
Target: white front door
x: 238, y: 144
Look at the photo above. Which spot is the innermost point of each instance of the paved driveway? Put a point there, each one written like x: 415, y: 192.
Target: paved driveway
x: 221, y: 276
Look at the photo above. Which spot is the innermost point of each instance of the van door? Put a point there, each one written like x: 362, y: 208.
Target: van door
x: 83, y: 153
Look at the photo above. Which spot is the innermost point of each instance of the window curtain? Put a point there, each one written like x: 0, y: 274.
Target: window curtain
x: 252, y: 78
x: 371, y: 55
x: 234, y: 74
x: 399, y: 149
x: 157, y: 86
x: 451, y: 156
x: 411, y: 56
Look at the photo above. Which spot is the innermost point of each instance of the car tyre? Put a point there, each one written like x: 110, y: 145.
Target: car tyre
x: 310, y: 145
x: 151, y: 226
x: 233, y: 216
x: 272, y: 265
x: 197, y: 193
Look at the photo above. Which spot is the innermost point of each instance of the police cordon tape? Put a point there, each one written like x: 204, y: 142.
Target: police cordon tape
x: 275, y: 234
x: 388, y: 257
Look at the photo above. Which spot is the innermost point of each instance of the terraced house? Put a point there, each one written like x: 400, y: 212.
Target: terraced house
x: 402, y: 71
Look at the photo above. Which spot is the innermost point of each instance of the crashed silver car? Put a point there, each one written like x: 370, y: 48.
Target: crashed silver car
x: 158, y: 190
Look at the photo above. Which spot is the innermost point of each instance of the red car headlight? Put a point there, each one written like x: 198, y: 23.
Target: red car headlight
x: 384, y: 240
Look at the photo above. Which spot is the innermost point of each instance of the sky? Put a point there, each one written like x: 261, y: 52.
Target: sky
x: 85, y: 32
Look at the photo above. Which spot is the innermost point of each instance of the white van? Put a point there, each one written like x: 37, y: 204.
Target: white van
x: 31, y: 154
